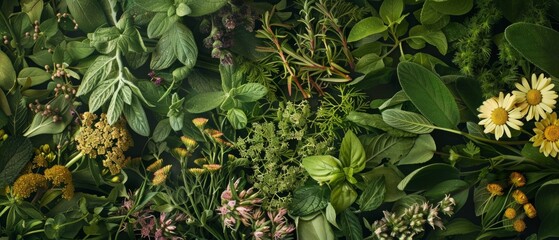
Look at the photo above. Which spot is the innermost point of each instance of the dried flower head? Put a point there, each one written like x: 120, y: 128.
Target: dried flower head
x: 27, y: 184
x: 155, y: 165
x: 197, y: 171
x: 530, y: 210
x: 519, y: 225
x: 519, y: 197
x: 160, y: 175
x: 181, y: 152
x: 200, y: 161
x: 212, y: 167
x: 517, y: 179
x: 189, y: 143
x: 98, y: 138
x: 510, y: 213
x: 59, y: 175
x: 200, y: 122
x: 495, y: 189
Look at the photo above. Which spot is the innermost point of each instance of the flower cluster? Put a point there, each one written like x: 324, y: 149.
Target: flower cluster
x: 412, y: 221
x: 530, y: 101
x: 27, y: 184
x: 98, y: 138
x: 242, y: 207
x: 43, y: 156
x: 59, y: 175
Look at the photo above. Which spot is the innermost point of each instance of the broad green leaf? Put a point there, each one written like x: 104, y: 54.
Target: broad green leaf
x: 375, y: 121
x: 429, y: 94
x: 350, y: 225
x: 548, y: 211
x: 161, y: 24
x: 7, y: 72
x: 101, y: 95
x: 36, y: 75
x: 391, y: 10
x: 183, y: 10
x: 33, y: 8
x: 200, y: 8
x: 250, y: 92
x: 452, y: 7
x: 427, y: 176
x: 398, y: 98
x: 422, y: 151
x: 88, y: 14
x: 352, y: 153
x: 439, y: 190
x: 115, y: 107
x: 237, y: 118
x: 136, y: 117
x: 459, y: 226
x: 369, y: 63
x: 183, y: 44
x: 373, y: 195
x: 407, y: 201
x: 470, y: 92
x: 366, y: 27
x: 392, y: 177
x: 429, y: 15
x: 5, y: 107
x: 78, y: 50
x: 15, y: 152
x: 407, y: 121
x: 152, y: 94
x: 435, y: 38
x: 203, y: 102
x: 309, y: 199
x: 330, y: 214
x: 46, y: 125
x: 314, y: 227
x: 161, y: 131
x: 536, y: 43
x: 385, y: 146
x: 97, y: 71
x: 155, y: 6
x: 428, y: 61
x: 324, y: 168
x: 342, y: 196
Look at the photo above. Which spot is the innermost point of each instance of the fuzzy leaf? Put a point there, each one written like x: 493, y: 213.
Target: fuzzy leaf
x: 204, y: 102
x: 15, y: 152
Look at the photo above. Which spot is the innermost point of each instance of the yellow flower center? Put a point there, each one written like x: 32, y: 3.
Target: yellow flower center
x: 534, y: 97
x: 551, y: 133
x: 499, y: 116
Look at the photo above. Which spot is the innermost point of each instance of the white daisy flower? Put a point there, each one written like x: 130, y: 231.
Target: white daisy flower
x: 547, y: 135
x: 537, y: 100
x: 498, y: 114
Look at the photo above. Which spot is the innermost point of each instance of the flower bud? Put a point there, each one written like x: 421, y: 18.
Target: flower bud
x: 495, y: 189
x: 519, y: 225
x: 510, y: 213
x: 519, y: 197
x: 530, y: 210
x: 517, y: 179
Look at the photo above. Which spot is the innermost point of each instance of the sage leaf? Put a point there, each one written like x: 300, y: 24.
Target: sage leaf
x: 407, y: 121
x: 203, y: 102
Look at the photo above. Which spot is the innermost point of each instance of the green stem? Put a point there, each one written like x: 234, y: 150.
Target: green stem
x: 75, y: 159
x: 33, y: 232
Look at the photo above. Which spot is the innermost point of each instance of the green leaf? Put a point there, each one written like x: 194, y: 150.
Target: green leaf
x: 366, y: 27
x: 369, y: 63
x: 200, y: 8
x: 350, y: 225
x: 314, y: 227
x: 101, y: 95
x: 352, y: 153
x: 391, y: 10
x: 459, y: 226
x: 536, y: 43
x: 548, y: 211
x: 183, y: 44
x: 78, y: 50
x: 250, y: 92
x: 427, y: 176
x: 33, y: 8
x: 343, y: 195
x: 204, y: 102
x: 373, y: 195
x: 5, y: 107
x: 237, y: 118
x: 98, y: 70
x: 45, y: 125
x: 161, y: 131
x: 388, y: 147
x: 407, y: 121
x: 407, y: 201
x: 429, y: 15
x: 452, y: 7
x: 7, y: 72
x: 161, y: 24
x: 15, y: 152
x: 435, y: 38
x: 136, y: 117
x: 429, y: 94
x: 309, y: 199
x: 392, y: 177
x: 183, y: 10
x: 422, y: 151
x: 88, y: 14
x: 155, y: 6
x: 439, y: 190
x: 115, y: 107
x: 324, y: 168
x: 375, y: 121
x: 36, y: 75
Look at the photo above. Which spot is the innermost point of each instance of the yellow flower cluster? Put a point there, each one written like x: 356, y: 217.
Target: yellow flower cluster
x: 98, y: 138
x: 59, y: 175
x: 43, y: 155
x: 529, y: 101
x: 161, y: 175
x: 27, y: 184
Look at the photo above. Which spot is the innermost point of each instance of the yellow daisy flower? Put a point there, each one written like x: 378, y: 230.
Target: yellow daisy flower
x: 536, y: 100
x: 547, y: 135
x: 500, y: 113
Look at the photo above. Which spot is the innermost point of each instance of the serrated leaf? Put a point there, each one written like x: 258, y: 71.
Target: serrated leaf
x: 15, y: 152
x: 101, y: 95
x: 350, y: 225
x: 98, y: 70
x: 115, y: 107
x: 309, y: 199
x: 136, y: 117
x: 237, y: 118
x: 366, y: 27
x: 373, y: 195
x: 407, y: 121
x: 250, y: 92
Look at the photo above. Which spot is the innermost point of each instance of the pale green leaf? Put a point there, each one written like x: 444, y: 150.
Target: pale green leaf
x: 204, y: 102
x: 237, y: 118
x: 36, y: 75
x: 366, y: 27
x: 407, y: 121
x: 7, y: 72
x: 324, y: 168
x: 97, y: 71
x: 200, y: 8
x: 422, y: 151
x: 183, y: 44
x: 250, y: 92
x: 352, y: 153
x: 136, y: 117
